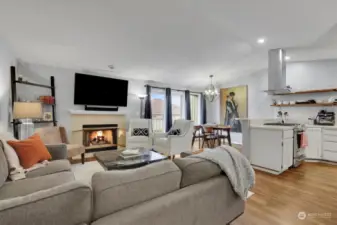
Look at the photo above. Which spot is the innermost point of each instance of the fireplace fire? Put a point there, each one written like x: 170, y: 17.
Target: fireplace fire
x: 98, y: 137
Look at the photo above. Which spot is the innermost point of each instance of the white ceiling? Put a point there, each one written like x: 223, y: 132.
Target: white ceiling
x: 177, y: 41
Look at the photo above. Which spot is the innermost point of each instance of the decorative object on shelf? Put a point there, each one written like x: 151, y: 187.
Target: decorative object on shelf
x: 26, y: 111
x: 211, y: 92
x: 47, y: 116
x: 233, y: 105
x: 141, y: 97
x: 50, y: 100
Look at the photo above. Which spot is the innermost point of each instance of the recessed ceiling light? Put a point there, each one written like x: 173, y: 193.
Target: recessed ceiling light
x: 287, y: 58
x: 261, y: 40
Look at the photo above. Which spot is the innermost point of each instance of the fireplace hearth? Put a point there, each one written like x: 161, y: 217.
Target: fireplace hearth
x: 100, y: 137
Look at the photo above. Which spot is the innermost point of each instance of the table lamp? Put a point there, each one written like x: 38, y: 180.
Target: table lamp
x: 26, y: 111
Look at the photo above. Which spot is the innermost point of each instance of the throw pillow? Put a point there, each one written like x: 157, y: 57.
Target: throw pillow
x: 16, y: 171
x: 140, y: 132
x: 30, y: 151
x: 174, y: 132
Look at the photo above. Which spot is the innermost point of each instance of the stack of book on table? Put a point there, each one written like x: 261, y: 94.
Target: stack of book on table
x: 130, y: 154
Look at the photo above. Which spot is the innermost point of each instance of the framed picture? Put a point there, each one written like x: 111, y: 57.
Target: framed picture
x: 47, y: 116
x: 233, y: 104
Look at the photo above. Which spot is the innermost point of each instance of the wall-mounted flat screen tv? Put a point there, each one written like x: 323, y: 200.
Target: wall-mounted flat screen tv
x: 100, y: 91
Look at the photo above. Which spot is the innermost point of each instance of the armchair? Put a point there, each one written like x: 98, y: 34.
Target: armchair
x: 135, y: 140
x: 175, y: 144
x: 58, y: 136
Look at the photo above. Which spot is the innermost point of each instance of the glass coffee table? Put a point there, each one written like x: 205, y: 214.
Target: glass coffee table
x: 112, y: 160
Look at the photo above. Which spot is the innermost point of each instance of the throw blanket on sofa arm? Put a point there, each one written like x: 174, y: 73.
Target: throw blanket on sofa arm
x: 235, y: 165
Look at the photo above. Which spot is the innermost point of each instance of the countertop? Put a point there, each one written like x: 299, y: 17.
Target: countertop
x: 321, y: 126
x: 268, y: 127
x: 261, y: 126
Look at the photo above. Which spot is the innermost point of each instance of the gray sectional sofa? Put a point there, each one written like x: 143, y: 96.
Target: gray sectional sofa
x: 49, y: 195
x: 186, y: 191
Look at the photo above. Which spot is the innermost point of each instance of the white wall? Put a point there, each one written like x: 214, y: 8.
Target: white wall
x: 6, y: 60
x: 64, y: 82
x: 300, y: 76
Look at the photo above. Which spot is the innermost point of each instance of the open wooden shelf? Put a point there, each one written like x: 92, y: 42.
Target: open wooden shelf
x: 310, y: 91
x: 305, y: 105
x: 36, y: 121
x: 33, y: 84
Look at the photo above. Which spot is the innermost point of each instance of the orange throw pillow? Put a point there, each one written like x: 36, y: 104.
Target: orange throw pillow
x: 30, y: 151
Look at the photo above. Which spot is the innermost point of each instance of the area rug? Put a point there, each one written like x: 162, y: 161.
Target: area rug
x: 84, y: 172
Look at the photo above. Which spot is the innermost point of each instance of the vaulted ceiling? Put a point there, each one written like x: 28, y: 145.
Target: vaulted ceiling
x: 176, y: 41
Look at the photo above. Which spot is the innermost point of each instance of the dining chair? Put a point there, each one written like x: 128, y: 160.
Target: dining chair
x: 224, y: 133
x: 197, y: 134
x: 210, y: 137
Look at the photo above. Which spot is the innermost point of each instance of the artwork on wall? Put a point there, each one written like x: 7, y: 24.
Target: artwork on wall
x: 233, y: 104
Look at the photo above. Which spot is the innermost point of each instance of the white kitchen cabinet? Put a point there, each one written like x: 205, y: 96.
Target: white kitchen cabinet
x: 271, y: 149
x: 330, y: 155
x: 288, y: 148
x: 329, y: 146
x: 314, y: 148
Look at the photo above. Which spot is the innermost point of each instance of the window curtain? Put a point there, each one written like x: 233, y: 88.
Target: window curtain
x: 168, y: 109
x: 203, y: 109
x: 148, y: 110
x: 187, y: 105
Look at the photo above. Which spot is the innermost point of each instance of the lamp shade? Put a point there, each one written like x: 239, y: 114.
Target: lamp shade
x: 27, y: 110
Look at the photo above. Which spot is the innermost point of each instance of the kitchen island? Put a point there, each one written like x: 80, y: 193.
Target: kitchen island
x: 271, y: 148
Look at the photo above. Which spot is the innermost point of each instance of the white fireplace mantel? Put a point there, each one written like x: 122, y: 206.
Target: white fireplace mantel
x: 85, y: 112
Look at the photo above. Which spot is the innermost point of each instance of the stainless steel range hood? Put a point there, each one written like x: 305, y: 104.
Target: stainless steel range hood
x: 277, y: 72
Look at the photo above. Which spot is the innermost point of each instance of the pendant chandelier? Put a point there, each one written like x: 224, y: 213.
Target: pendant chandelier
x: 211, y: 93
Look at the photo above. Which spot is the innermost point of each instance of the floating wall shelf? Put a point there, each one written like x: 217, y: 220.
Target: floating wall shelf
x: 310, y: 91
x: 306, y: 105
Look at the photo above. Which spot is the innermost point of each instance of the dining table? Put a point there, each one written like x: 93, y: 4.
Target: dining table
x: 213, y: 134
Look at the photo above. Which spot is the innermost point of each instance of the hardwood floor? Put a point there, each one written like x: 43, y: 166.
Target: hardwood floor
x: 311, y: 188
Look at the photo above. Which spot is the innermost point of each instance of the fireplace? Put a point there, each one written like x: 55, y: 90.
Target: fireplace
x: 100, y: 137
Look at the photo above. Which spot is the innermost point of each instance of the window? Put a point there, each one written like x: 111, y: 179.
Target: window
x: 195, y: 112
x: 177, y: 106
x: 158, y: 110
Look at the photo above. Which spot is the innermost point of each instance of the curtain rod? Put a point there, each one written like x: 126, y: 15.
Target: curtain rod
x: 172, y: 89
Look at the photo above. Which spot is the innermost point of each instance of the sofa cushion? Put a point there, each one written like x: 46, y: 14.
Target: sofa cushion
x: 50, y: 135
x: 31, y: 185
x: 55, y: 166
x: 139, y: 139
x: 74, y: 150
x: 3, y: 166
x: 196, y: 170
x: 11, y: 156
x: 212, y: 202
x: 117, y: 190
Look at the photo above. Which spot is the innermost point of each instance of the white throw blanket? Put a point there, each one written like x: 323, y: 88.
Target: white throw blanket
x: 235, y: 165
